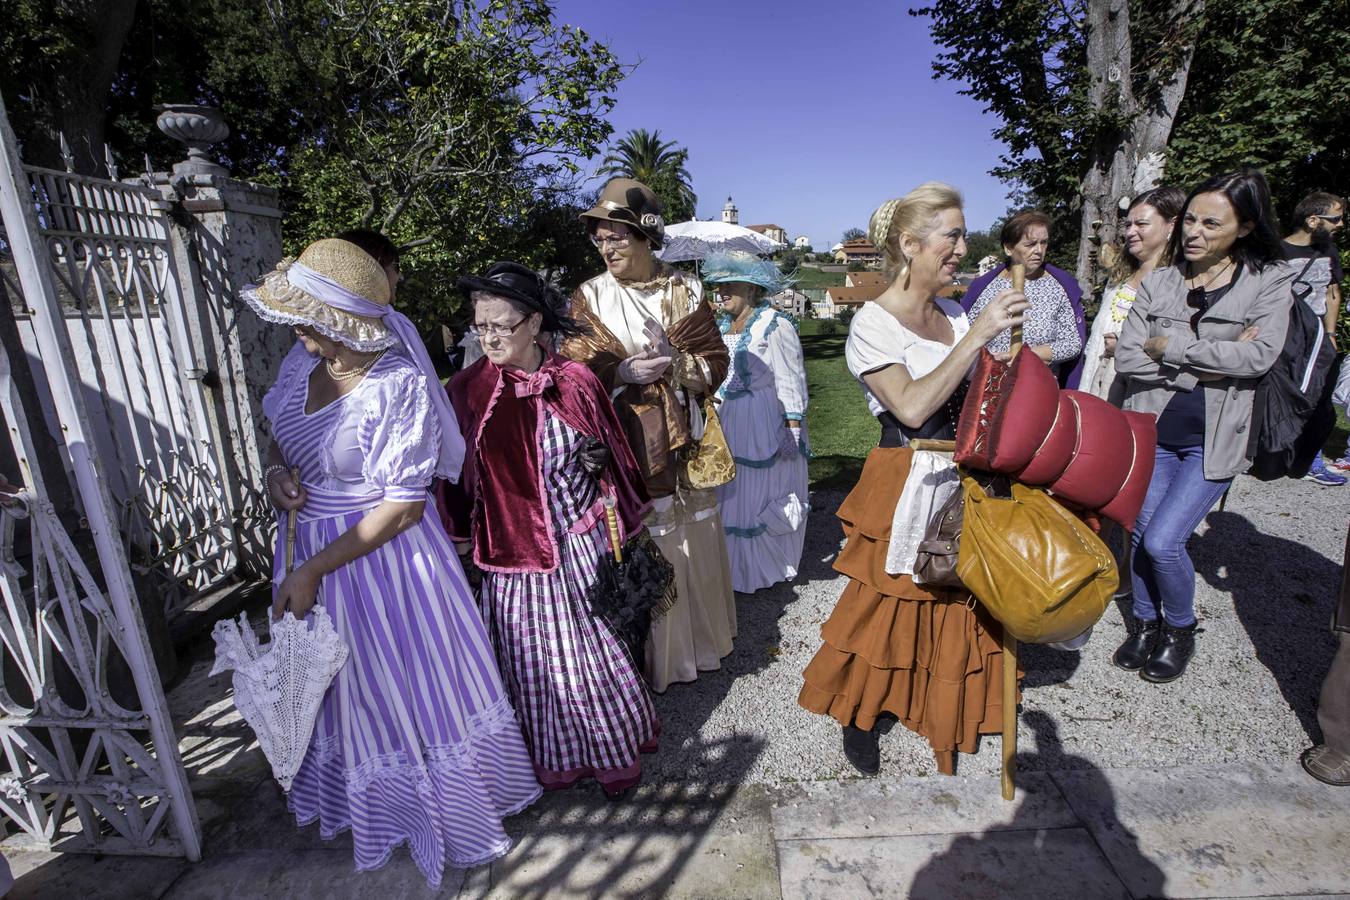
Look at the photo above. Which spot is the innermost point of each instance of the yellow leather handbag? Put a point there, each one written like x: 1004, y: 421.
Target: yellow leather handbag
x: 712, y: 464
x: 1037, y: 568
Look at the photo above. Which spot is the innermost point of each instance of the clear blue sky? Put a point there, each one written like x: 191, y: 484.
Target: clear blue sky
x: 808, y: 114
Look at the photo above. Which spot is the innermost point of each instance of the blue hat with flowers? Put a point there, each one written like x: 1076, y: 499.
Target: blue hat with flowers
x: 737, y: 265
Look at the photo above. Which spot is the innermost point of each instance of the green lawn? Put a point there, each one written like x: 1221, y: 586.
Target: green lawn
x: 842, y: 430
x: 808, y: 279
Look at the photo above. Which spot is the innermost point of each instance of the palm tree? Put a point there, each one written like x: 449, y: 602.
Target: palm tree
x: 658, y: 164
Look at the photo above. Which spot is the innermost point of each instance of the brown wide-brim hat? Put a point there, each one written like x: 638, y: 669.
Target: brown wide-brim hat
x: 634, y: 204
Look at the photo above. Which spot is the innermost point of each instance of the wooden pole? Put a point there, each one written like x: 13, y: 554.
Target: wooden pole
x: 1018, y: 274
x: 1009, y: 775
x: 290, y: 526
x: 934, y: 445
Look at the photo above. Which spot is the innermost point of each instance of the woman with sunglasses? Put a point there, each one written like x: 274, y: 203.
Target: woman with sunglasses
x: 1200, y: 334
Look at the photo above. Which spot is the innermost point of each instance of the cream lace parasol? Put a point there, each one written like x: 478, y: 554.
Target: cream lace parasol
x: 279, y: 687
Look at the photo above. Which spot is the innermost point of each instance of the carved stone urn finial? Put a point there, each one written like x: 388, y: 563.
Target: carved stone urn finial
x: 198, y: 127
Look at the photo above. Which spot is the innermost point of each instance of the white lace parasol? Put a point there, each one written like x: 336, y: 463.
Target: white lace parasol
x: 278, y: 687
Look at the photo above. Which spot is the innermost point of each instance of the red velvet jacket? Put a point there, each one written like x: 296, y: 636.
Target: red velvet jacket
x: 499, y: 501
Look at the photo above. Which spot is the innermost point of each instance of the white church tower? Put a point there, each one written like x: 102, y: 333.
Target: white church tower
x: 729, y: 213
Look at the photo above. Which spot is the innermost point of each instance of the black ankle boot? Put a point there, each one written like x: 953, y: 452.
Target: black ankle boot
x: 1169, y: 659
x: 863, y: 749
x: 1139, y: 646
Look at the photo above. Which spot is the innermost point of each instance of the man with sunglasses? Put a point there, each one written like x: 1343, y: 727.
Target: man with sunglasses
x: 1311, y: 250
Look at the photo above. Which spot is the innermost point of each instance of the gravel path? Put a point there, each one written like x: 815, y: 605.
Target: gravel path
x: 1268, y: 569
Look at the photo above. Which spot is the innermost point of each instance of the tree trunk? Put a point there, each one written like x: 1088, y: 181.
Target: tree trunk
x: 1125, y: 161
x: 1111, y: 95
x: 76, y: 101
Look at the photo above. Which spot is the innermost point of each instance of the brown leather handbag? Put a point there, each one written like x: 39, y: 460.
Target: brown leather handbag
x: 935, y: 561
x: 1037, y: 568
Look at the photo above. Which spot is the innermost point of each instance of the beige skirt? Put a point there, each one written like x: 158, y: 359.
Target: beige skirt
x: 698, y: 630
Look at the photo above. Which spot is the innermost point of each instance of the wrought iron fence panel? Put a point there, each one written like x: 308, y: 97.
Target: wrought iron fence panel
x: 88, y: 756
x: 108, y: 245
x: 79, y: 774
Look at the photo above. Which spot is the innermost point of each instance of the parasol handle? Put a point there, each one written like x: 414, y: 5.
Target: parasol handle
x: 290, y: 526
x: 1017, y: 272
x: 612, y: 520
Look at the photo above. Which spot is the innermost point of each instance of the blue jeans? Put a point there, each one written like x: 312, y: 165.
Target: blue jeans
x: 1179, y: 496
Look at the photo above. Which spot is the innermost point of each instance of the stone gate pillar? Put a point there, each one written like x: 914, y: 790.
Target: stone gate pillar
x: 228, y: 234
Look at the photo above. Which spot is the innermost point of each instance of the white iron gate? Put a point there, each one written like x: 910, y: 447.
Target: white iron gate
x: 88, y: 765
x: 107, y: 245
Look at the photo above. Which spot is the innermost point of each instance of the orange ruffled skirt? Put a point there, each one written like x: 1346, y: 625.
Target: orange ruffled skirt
x: 931, y: 659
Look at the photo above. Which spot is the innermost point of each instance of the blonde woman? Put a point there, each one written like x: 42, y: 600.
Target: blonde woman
x: 1146, y: 227
x: 892, y: 648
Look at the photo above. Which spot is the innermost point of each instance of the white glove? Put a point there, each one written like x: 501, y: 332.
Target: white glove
x: 643, y: 368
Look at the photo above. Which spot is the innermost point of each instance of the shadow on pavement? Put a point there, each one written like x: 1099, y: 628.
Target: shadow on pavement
x: 692, y: 837
x: 1026, y: 860
x: 1283, y: 593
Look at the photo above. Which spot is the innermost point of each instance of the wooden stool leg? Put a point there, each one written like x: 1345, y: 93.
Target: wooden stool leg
x: 1009, y: 715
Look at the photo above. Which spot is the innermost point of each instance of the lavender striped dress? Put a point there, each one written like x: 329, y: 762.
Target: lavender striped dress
x: 583, y: 704
x: 416, y: 742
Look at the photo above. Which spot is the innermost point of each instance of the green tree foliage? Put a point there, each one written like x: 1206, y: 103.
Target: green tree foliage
x: 661, y: 165
x: 790, y: 259
x: 57, y: 58
x: 980, y: 244
x: 1266, y: 85
x: 1025, y: 61
x: 456, y: 127
x: 1269, y: 87
x: 853, y: 234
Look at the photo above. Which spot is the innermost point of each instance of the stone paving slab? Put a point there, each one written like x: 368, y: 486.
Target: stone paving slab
x: 40, y: 875
x: 1244, y: 831
x: 293, y: 874
x: 1040, y: 864
x: 914, y: 806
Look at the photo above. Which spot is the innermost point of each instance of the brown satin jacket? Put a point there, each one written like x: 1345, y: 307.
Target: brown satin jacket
x: 652, y: 416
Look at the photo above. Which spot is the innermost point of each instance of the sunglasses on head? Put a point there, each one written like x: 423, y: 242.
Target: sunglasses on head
x: 1198, y: 300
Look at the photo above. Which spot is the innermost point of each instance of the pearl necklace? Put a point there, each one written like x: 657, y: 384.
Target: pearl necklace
x: 334, y: 374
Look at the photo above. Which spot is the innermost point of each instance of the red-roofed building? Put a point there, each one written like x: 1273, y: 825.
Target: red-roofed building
x: 866, y: 278
x: 838, y: 299
x: 772, y: 232
x: 860, y: 250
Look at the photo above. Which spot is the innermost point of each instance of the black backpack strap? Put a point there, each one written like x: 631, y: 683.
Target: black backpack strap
x: 1299, y: 279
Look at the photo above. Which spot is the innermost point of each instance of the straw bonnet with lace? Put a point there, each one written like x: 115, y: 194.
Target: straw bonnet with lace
x: 297, y: 292
x: 341, y: 292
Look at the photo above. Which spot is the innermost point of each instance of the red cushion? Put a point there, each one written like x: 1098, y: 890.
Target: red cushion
x: 1130, y: 499
x: 1103, y: 455
x: 1052, y: 456
x: 1007, y: 413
